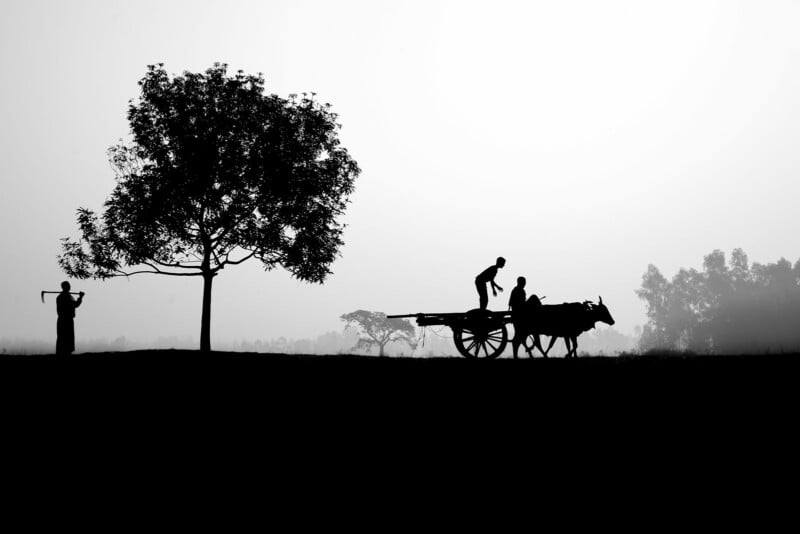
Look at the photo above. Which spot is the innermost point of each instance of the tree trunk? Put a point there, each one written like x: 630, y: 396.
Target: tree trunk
x: 380, y: 349
x: 205, y: 323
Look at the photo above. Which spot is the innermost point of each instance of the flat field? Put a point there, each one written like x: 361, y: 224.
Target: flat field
x: 410, y: 398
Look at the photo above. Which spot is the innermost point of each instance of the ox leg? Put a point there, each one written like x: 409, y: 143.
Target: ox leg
x: 569, y: 349
x: 527, y: 348
x: 537, y: 343
x: 520, y: 338
x: 575, y: 346
x: 552, y: 342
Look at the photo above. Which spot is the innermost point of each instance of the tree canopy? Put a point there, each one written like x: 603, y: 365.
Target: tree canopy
x: 376, y: 330
x: 218, y: 172
x: 728, y: 307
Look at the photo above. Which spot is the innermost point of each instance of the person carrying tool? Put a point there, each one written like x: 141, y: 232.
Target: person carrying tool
x: 65, y: 327
x: 487, y: 277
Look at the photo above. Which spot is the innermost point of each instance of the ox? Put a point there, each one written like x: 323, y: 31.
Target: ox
x: 568, y: 320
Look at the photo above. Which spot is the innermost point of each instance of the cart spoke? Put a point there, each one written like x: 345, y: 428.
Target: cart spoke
x: 480, y: 338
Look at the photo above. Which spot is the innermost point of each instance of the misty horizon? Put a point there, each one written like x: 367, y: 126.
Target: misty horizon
x: 435, y: 343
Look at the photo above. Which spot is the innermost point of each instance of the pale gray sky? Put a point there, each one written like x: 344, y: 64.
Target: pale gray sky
x: 581, y: 140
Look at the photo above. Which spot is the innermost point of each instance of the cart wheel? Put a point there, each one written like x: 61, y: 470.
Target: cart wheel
x: 473, y: 342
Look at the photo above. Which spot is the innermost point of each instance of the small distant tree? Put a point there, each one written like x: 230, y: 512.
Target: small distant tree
x: 218, y: 172
x: 376, y: 330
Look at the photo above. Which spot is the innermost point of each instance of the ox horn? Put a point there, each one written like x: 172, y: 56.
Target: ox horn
x: 601, y: 300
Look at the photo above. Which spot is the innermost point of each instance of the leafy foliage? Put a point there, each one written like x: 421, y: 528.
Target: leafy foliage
x: 725, y: 308
x: 217, y: 167
x: 376, y: 330
x: 218, y: 172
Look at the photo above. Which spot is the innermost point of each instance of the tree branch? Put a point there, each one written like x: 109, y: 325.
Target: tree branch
x: 156, y: 270
x: 216, y: 258
x: 177, y: 265
x: 123, y: 273
x: 225, y: 232
x: 237, y: 262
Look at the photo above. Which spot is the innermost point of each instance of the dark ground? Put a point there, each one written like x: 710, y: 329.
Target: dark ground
x: 592, y: 406
x: 644, y: 387
x: 668, y: 362
x: 670, y: 375
x: 220, y: 355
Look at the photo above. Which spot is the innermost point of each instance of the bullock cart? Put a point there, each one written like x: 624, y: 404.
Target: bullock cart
x: 476, y: 333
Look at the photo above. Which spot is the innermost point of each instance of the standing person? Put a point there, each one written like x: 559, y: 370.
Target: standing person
x: 65, y: 328
x: 487, y: 277
x: 516, y: 303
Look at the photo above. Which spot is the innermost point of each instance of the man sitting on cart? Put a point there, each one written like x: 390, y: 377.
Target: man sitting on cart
x: 487, y: 277
x: 516, y: 303
x: 532, y: 306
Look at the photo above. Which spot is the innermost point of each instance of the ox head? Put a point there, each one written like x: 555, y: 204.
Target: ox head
x: 601, y: 313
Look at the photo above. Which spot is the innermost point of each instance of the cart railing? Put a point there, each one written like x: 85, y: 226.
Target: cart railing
x: 449, y: 319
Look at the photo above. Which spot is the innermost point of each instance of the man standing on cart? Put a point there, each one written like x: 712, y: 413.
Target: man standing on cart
x: 487, y: 277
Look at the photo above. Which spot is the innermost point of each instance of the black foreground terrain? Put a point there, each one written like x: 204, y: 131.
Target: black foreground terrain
x: 509, y: 405
x: 739, y: 373
x: 536, y: 386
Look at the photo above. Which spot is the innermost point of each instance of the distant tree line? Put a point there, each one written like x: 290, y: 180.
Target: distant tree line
x: 434, y: 343
x: 727, y: 308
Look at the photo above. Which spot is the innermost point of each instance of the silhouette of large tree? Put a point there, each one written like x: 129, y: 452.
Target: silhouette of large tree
x: 218, y: 172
